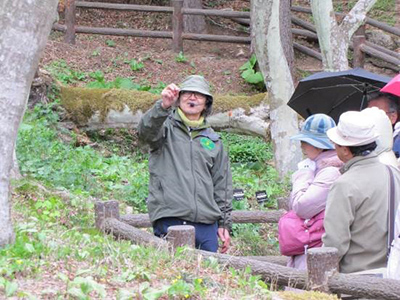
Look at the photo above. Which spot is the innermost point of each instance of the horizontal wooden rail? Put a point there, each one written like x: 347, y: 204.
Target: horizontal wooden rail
x: 307, y: 51
x: 306, y: 33
x: 125, y: 7
x: 368, y: 20
x: 216, y: 38
x: 378, y: 54
x: 307, y: 25
x: 163, y: 9
x: 155, y: 34
x: 117, y: 31
x: 383, y: 49
x: 238, y: 216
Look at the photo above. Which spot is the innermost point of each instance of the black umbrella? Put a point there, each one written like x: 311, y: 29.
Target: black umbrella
x: 333, y: 93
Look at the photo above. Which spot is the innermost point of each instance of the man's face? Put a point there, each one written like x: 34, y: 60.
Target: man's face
x: 192, y: 104
x: 343, y: 153
x: 383, y: 103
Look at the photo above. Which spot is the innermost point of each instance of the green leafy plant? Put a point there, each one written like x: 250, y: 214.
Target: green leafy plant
x: 110, y: 43
x: 64, y: 73
x: 181, y: 58
x: 135, y: 65
x: 250, y: 75
x: 96, y: 52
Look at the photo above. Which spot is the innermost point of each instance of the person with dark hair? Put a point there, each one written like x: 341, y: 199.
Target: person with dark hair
x: 190, y: 176
x: 390, y: 105
x: 356, y: 215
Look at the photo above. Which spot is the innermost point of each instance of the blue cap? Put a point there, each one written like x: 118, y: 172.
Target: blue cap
x: 314, y: 131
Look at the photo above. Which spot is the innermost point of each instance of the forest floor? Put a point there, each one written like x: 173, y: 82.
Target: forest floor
x: 218, y: 62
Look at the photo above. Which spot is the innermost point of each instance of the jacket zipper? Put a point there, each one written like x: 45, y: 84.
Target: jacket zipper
x: 194, y: 179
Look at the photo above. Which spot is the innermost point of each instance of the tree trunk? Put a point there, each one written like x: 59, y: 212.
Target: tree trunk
x: 334, y: 39
x: 25, y: 25
x: 271, y: 46
x: 15, y: 173
x: 194, y: 23
x: 397, y: 15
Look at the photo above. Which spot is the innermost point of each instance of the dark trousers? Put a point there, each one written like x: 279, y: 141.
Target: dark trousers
x: 205, y: 234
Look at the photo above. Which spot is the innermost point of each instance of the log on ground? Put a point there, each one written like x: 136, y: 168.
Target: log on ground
x: 238, y: 216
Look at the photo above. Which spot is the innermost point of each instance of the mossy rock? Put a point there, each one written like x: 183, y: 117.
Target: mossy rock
x: 83, y: 103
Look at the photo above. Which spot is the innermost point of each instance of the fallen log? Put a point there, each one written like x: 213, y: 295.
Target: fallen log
x: 279, y: 260
x: 118, y: 108
x: 322, y: 262
x: 122, y: 230
x: 356, y: 285
x: 268, y: 271
x: 272, y: 216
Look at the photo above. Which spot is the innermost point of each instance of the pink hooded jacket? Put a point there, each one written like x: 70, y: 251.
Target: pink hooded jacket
x: 310, y: 191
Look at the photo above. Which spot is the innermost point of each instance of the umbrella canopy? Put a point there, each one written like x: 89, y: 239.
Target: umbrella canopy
x: 393, y: 87
x: 333, y: 93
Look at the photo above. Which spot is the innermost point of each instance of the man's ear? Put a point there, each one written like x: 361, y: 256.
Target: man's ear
x: 394, y: 117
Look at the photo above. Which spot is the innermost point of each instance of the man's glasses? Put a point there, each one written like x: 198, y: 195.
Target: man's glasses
x: 196, y: 95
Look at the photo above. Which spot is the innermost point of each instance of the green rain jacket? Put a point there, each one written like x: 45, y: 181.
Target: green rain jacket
x: 190, y: 176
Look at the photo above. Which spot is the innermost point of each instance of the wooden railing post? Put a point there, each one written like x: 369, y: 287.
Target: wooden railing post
x: 322, y: 263
x: 70, y: 21
x: 181, y: 235
x: 358, y: 54
x: 177, y: 26
x: 104, y: 210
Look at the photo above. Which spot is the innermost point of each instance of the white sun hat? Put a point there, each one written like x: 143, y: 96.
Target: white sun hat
x: 354, y: 129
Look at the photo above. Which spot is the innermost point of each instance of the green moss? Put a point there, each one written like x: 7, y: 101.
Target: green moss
x: 306, y: 295
x: 82, y: 103
x: 225, y: 103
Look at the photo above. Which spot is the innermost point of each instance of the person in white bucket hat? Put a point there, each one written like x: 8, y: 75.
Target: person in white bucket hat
x: 356, y: 215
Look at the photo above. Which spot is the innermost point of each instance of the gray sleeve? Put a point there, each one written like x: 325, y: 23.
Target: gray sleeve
x: 150, y: 127
x: 222, y: 178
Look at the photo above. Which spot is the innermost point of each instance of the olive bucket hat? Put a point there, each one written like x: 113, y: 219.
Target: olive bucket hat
x: 197, y: 83
x: 314, y: 131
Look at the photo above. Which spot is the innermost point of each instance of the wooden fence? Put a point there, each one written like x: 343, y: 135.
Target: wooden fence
x: 322, y: 263
x: 360, y: 46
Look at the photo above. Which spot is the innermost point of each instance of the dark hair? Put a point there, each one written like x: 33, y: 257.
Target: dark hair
x: 393, y: 100
x: 208, y: 109
x: 362, y: 150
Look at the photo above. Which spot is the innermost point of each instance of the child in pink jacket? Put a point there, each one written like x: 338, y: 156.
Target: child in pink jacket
x: 315, y: 174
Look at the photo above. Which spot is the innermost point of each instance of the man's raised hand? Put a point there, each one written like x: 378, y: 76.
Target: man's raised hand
x: 169, y: 95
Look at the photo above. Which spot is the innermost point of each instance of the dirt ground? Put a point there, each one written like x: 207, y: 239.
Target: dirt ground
x: 218, y: 62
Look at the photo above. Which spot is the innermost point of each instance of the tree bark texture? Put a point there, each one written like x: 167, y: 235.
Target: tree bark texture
x: 238, y: 216
x: 194, y: 23
x: 25, y: 26
x: 269, y: 45
x: 104, y: 210
x: 122, y: 230
x: 322, y: 263
x: 334, y: 39
x: 181, y: 235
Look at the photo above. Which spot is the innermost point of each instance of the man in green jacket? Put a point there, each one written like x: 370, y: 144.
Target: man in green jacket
x: 190, y: 176
x: 356, y: 215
